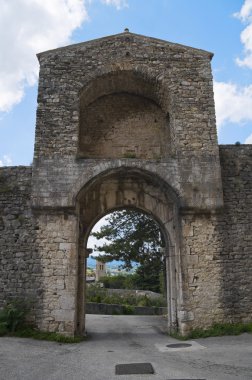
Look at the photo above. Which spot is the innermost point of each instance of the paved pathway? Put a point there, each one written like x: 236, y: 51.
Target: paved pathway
x: 126, y: 339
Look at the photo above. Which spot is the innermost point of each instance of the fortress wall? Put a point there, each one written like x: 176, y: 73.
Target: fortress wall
x: 56, y: 240
x: 19, y: 261
x: 235, y: 229
x: 202, y: 274
x: 218, y: 248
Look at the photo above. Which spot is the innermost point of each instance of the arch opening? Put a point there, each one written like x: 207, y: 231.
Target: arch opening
x: 138, y: 190
x: 127, y: 253
x: 122, y: 116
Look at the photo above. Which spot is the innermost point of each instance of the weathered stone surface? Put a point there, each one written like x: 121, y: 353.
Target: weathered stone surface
x: 235, y: 232
x: 20, y: 269
x: 128, y: 121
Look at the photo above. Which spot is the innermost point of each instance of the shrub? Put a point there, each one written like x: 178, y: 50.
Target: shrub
x: 127, y: 309
x: 100, y: 295
x: 115, y: 282
x: 144, y: 301
x: 145, y: 278
x: 3, y: 328
x: 95, y: 293
x: 12, y: 316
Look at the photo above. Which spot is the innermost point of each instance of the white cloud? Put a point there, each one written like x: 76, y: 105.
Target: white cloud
x: 233, y: 104
x: 5, y: 161
x: 92, y: 241
x: 119, y: 4
x: 246, y: 10
x: 28, y: 27
x: 245, y: 15
x: 31, y: 26
x: 248, y: 140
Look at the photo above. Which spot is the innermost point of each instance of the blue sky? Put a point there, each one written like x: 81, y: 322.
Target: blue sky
x: 27, y: 27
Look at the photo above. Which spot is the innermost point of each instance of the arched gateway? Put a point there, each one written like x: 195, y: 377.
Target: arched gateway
x: 135, y: 188
x: 126, y: 120
x: 129, y: 120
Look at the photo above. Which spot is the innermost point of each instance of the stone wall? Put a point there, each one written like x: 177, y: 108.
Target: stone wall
x: 235, y: 232
x: 56, y: 241
x: 20, y: 268
x: 124, y: 125
x: 218, y: 248
x: 37, y: 263
x: 201, y: 271
x: 37, y: 254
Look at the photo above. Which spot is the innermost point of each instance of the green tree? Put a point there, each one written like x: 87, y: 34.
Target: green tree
x: 148, y: 275
x: 132, y: 236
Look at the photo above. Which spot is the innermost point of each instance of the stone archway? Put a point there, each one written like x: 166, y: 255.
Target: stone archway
x: 157, y: 152
x: 131, y: 187
x: 129, y: 120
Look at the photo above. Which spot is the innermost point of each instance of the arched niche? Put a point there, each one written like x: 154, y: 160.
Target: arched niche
x: 134, y: 188
x: 122, y: 115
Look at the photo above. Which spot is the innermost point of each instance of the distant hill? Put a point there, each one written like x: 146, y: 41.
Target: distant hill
x: 91, y: 263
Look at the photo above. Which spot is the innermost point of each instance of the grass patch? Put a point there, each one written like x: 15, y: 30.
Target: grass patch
x: 129, y: 155
x: 217, y: 329
x: 13, y: 323
x: 49, y: 336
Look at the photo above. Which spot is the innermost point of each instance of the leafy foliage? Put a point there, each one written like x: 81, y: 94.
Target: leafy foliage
x: 12, y: 316
x: 117, y: 282
x: 149, y: 276
x: 132, y: 236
